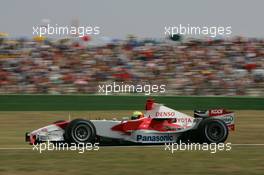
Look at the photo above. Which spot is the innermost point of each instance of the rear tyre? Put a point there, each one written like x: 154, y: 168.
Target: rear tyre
x: 80, y: 131
x: 212, y: 130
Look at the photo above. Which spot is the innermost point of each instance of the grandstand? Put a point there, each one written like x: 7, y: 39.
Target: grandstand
x: 232, y: 66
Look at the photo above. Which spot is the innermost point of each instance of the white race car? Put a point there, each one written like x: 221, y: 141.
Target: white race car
x: 159, y: 124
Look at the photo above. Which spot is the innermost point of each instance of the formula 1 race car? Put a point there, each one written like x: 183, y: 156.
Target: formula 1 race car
x: 159, y: 124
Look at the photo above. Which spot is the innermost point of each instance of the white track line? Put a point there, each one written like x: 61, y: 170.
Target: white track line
x: 157, y: 146
x: 247, y: 144
x: 15, y: 148
x: 133, y: 146
x: 139, y: 146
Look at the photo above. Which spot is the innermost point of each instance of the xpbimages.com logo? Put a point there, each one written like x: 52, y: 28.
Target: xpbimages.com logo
x: 80, y: 147
x: 65, y: 30
x: 145, y: 88
x: 212, y: 147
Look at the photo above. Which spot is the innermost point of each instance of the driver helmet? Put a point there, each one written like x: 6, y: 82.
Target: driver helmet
x: 137, y: 115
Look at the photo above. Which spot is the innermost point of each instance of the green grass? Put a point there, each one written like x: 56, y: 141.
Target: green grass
x: 93, y: 102
x: 132, y: 161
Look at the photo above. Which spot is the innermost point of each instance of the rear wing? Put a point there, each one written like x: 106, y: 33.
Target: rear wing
x: 227, y: 116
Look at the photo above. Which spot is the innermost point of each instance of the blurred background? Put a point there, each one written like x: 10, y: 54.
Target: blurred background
x: 190, y: 67
x: 132, y: 48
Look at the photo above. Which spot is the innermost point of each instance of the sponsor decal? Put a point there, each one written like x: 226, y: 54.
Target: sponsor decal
x: 216, y: 111
x: 184, y: 120
x: 163, y: 138
x: 228, y: 119
x: 165, y: 114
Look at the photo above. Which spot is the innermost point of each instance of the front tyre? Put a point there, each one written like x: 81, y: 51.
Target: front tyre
x: 80, y: 131
x: 212, y: 130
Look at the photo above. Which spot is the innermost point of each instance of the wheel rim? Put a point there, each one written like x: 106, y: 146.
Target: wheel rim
x: 215, y: 132
x: 82, y: 132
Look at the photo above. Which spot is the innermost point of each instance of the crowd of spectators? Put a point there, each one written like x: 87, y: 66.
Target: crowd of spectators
x: 233, y: 66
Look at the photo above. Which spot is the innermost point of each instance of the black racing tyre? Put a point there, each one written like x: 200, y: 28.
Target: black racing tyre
x: 212, y: 130
x: 80, y: 131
